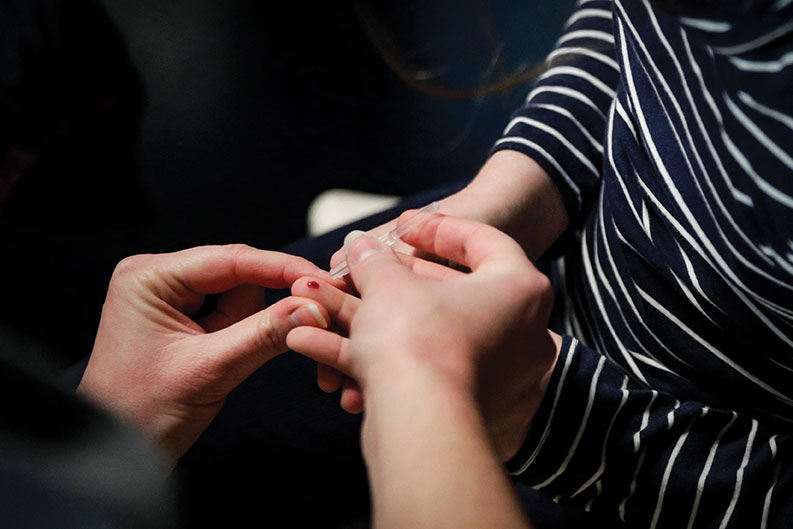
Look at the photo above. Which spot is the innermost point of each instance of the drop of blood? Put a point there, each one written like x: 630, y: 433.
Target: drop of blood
x: 312, y: 284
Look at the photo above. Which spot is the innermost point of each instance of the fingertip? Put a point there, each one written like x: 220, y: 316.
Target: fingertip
x: 359, y: 245
x: 351, y: 397
x: 328, y: 379
x: 310, y: 314
x: 312, y: 285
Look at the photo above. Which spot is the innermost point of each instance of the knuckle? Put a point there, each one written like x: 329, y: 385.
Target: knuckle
x: 534, y: 289
x: 269, y: 339
x: 131, y: 268
x: 237, y: 248
x: 130, y: 265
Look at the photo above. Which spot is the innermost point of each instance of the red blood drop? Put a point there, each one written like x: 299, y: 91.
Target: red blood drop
x: 312, y: 284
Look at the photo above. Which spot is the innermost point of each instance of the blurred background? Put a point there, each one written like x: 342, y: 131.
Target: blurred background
x: 151, y: 126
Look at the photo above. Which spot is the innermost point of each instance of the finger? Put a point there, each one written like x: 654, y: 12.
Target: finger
x: 340, y: 305
x: 351, y: 396
x: 240, y: 349
x: 369, y: 258
x: 324, y: 346
x: 234, y: 305
x: 180, y: 276
x: 340, y: 256
x: 478, y: 246
x: 328, y: 379
x: 337, y: 257
x: 428, y: 269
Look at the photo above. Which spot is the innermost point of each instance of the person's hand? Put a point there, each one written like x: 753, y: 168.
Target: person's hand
x: 168, y: 372
x: 485, y: 331
x: 512, y: 193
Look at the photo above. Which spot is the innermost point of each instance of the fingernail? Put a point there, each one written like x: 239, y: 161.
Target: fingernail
x: 354, y: 234
x: 308, y: 315
x: 363, y: 249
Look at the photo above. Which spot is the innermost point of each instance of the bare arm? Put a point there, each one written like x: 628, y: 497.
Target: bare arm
x: 511, y: 192
x: 430, y: 459
x: 514, y: 194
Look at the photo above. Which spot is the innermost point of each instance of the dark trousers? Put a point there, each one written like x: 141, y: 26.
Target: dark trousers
x: 282, y: 453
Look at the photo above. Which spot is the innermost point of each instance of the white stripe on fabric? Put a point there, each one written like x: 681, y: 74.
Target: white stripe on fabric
x: 706, y: 469
x: 585, y: 52
x: 602, y: 467
x: 714, y: 351
x: 645, y: 421
x: 755, y: 43
x: 594, y: 34
x: 693, y: 279
x: 593, y: 287
x: 742, y: 197
x: 580, y: 73
x: 569, y: 352
x: 661, y: 166
x: 767, y: 500
x: 690, y: 296
x: 581, y: 428
x: 774, y: 66
x: 711, y: 26
x: 762, y: 184
x: 561, y: 139
x: 768, y: 111
x: 739, y: 476
x: 739, y: 195
x: 670, y: 94
x: 667, y: 472
x: 735, y: 285
x: 758, y: 133
x: 569, y: 92
x: 632, y: 489
x: 588, y: 13
x: 566, y: 113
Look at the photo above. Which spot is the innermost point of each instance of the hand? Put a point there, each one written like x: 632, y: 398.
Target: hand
x: 156, y: 366
x: 485, y: 331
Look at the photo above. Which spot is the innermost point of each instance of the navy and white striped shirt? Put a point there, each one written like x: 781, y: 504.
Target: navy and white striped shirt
x: 669, y: 132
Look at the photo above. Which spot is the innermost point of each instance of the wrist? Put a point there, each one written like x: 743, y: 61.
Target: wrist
x: 514, y: 194
x: 403, y: 373
x: 409, y: 396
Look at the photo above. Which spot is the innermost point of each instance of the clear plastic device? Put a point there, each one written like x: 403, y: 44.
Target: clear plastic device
x: 341, y: 269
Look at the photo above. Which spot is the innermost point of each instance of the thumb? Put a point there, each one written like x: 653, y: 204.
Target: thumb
x: 367, y: 257
x: 240, y: 349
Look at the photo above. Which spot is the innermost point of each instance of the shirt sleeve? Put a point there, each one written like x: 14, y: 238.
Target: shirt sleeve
x: 604, y: 443
x: 562, y: 123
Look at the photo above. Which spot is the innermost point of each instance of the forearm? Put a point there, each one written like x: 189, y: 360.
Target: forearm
x: 430, y: 460
x: 514, y: 194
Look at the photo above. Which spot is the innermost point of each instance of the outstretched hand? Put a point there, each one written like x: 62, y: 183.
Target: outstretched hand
x: 484, y: 331
x: 168, y: 372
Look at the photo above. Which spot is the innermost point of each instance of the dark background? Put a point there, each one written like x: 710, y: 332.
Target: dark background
x: 143, y: 126
x: 150, y: 126
x: 153, y: 126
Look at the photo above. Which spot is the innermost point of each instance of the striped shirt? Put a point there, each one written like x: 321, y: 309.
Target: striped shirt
x: 669, y: 132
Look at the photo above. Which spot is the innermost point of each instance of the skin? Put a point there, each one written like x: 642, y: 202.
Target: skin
x: 429, y: 417
x: 511, y: 193
x: 451, y: 367
x: 163, y: 369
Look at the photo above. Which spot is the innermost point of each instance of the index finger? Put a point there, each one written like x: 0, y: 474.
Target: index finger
x: 213, y: 269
